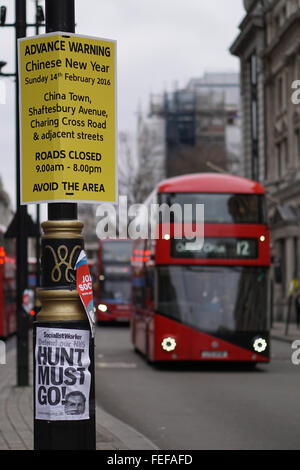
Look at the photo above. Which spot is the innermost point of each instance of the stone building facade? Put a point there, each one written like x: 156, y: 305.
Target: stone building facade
x: 249, y: 47
x: 269, y: 50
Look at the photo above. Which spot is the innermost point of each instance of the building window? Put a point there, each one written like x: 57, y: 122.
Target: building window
x: 296, y: 260
x: 254, y: 118
x: 280, y: 94
x: 276, y: 25
x: 279, y: 160
x: 293, y: 5
x: 286, y: 152
x: 297, y: 147
x: 283, y: 15
x: 282, y: 263
x: 253, y: 69
x: 297, y: 68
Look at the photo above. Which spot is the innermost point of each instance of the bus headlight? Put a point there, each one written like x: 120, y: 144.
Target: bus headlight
x: 259, y: 344
x: 102, y: 308
x: 168, y: 344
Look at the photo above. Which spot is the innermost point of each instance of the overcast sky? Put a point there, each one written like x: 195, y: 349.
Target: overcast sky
x: 161, y: 44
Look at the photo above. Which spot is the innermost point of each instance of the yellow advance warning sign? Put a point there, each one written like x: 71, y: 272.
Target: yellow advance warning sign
x: 68, y: 118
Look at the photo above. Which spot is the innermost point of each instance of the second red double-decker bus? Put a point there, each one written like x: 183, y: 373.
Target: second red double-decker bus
x: 8, y: 315
x: 204, y: 299
x: 113, y: 291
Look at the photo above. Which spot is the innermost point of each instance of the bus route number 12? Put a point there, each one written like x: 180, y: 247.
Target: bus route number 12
x: 243, y: 248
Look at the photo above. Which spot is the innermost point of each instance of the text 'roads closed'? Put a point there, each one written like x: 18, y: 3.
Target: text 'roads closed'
x: 68, y: 120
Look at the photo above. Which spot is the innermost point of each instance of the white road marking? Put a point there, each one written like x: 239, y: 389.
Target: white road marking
x: 118, y: 365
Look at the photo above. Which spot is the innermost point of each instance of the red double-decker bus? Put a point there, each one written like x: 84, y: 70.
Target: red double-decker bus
x: 205, y: 299
x: 113, y: 290
x: 8, y: 315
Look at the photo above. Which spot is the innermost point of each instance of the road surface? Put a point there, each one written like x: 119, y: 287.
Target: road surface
x: 199, y: 407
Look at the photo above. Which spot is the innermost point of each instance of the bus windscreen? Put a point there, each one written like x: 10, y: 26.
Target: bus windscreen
x: 118, y: 252
x: 116, y: 291
x: 213, y: 299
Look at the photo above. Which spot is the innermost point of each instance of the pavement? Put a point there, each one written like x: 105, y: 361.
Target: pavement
x: 283, y: 332
x: 16, y: 415
x: 16, y: 408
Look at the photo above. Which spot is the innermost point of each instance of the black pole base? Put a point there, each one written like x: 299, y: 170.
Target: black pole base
x: 64, y: 435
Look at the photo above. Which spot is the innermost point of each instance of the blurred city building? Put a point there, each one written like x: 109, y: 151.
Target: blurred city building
x: 268, y: 46
x: 87, y: 215
x: 6, y: 218
x: 151, y: 151
x: 6, y: 213
x: 202, y: 125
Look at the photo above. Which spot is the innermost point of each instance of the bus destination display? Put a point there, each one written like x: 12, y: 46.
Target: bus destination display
x: 217, y: 248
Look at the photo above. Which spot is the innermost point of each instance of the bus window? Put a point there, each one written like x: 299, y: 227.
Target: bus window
x: 219, y: 208
x: 139, y: 292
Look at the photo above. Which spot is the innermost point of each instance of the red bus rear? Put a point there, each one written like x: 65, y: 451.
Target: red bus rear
x: 8, y: 316
x: 113, y: 290
x: 205, y: 301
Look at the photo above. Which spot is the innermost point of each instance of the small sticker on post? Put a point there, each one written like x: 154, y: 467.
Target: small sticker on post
x: 85, y: 288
